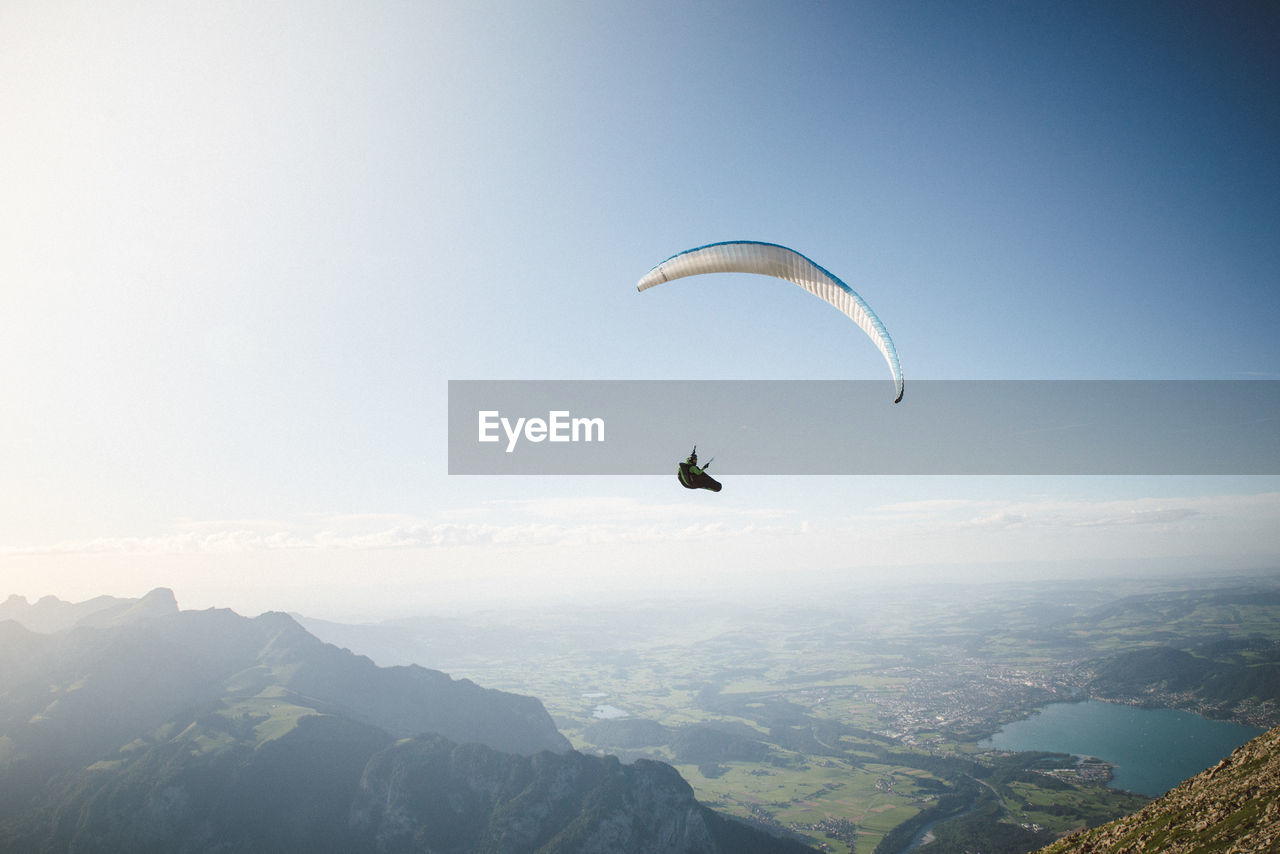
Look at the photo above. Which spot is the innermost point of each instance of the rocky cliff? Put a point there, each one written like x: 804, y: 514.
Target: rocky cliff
x: 430, y: 795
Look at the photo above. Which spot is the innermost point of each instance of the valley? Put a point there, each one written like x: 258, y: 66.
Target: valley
x: 855, y: 725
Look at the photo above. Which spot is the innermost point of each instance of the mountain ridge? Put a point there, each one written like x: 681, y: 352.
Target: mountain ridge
x: 150, y: 661
x: 50, y: 614
x: 144, y: 728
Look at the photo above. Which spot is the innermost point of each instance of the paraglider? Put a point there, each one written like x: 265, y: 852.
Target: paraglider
x: 693, y: 476
x: 770, y: 259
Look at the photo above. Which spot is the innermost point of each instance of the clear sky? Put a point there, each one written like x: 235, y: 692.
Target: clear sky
x: 243, y: 248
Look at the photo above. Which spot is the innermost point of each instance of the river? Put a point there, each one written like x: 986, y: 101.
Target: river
x: 1152, y: 750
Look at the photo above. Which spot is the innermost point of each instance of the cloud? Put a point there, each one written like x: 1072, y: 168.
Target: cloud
x: 1060, y: 513
x: 631, y: 510
x: 375, y: 533
x: 622, y: 522
x: 1159, y: 516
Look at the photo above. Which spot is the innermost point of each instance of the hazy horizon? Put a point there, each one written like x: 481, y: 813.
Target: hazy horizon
x: 814, y: 589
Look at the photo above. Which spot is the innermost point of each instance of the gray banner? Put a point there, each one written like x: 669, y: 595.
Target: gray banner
x: 801, y: 427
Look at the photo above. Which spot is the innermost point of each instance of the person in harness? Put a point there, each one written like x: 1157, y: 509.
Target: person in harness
x: 692, y: 476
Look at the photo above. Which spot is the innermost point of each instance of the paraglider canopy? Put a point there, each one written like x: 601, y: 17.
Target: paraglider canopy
x: 770, y: 259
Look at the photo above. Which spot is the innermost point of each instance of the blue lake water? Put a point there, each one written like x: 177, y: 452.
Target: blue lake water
x: 1152, y: 750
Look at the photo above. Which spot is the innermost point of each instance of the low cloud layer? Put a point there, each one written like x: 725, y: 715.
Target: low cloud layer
x: 611, y: 520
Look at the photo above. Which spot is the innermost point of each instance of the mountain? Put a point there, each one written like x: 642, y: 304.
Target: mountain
x: 1234, y: 806
x: 153, y: 662
x: 51, y: 614
x: 147, y: 728
x: 331, y: 785
x: 430, y: 795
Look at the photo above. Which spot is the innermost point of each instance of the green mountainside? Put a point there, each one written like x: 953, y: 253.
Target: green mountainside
x: 1239, y: 679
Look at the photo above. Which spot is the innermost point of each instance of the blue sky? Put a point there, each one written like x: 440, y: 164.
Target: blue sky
x: 243, y: 250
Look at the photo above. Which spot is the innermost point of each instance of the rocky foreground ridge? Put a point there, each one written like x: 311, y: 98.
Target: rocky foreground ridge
x: 1232, y: 807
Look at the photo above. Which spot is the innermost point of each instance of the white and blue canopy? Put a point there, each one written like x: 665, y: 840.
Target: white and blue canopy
x: 770, y: 259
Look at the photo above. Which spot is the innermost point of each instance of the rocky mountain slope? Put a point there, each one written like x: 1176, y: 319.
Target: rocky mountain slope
x: 144, y: 728
x: 1232, y: 807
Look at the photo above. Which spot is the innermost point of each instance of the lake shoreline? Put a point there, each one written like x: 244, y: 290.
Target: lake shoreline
x: 1149, y: 751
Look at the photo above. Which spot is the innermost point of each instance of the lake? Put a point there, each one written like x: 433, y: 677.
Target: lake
x: 1152, y: 750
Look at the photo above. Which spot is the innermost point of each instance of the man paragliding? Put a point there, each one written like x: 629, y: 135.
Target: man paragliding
x: 694, y: 477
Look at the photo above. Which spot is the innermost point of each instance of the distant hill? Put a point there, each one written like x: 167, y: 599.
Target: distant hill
x: 1237, y: 680
x: 141, y: 727
x: 1234, y: 806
